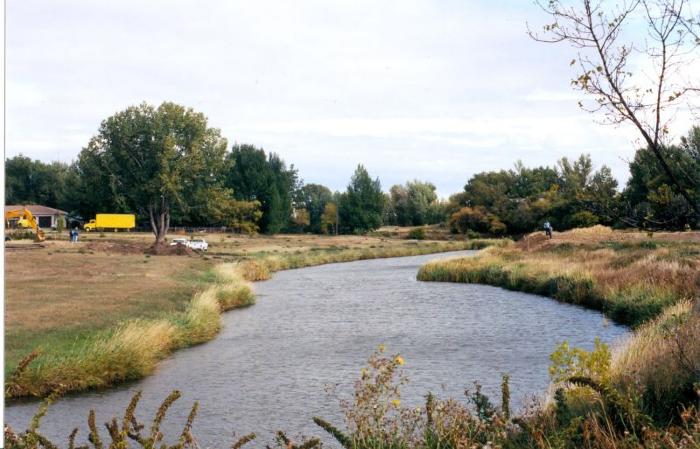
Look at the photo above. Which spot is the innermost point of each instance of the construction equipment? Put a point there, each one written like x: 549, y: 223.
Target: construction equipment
x: 111, y: 221
x: 25, y: 220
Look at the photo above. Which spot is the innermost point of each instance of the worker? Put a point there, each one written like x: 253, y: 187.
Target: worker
x: 548, y: 229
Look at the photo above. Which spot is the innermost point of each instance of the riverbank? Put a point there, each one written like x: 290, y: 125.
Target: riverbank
x: 645, y: 392
x: 630, y: 276
x: 110, y: 353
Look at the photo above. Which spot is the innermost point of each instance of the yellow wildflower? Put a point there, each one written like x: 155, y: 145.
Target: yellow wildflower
x: 381, y: 348
x: 399, y: 360
x: 396, y: 402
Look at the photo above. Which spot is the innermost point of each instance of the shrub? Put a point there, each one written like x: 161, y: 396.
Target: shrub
x: 470, y: 218
x: 417, y: 234
x: 583, y: 219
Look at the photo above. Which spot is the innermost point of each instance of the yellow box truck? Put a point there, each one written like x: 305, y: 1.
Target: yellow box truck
x: 111, y: 221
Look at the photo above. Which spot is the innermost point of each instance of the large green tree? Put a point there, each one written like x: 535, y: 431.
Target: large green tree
x: 255, y: 176
x: 154, y: 161
x: 362, y: 204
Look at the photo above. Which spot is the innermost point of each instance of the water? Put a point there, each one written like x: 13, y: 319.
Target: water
x: 271, y: 366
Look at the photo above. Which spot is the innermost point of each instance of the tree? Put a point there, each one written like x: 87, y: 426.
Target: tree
x: 255, y: 176
x: 314, y: 198
x: 329, y: 219
x: 300, y: 219
x: 412, y: 204
x: 606, y: 65
x: 362, y: 204
x: 648, y: 197
x: 154, y: 161
x: 36, y: 182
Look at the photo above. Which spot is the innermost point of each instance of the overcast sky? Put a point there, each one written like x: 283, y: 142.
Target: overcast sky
x: 432, y: 90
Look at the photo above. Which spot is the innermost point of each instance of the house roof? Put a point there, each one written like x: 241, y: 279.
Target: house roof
x: 36, y: 209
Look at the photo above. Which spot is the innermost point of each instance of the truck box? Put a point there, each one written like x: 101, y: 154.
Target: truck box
x: 111, y: 221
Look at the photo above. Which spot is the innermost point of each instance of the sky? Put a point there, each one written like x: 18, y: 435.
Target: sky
x: 430, y: 90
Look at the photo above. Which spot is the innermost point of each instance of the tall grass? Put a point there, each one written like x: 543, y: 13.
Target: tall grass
x: 629, y: 279
x: 132, y: 350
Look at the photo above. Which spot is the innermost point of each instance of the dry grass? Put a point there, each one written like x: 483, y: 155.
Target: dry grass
x: 629, y: 276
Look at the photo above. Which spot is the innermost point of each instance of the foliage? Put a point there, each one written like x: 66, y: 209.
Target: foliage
x: 314, y: 198
x: 329, y: 219
x: 476, y: 219
x: 35, y: 182
x: 417, y: 234
x: 300, y: 219
x: 154, y: 161
x: 413, y: 204
x: 570, y: 362
x: 522, y: 199
x: 650, y: 200
x: 254, y: 175
x: 362, y: 205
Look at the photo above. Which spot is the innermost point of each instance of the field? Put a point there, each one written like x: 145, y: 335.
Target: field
x: 64, y: 300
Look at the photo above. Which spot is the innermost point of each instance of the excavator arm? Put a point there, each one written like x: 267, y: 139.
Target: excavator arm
x: 26, y: 219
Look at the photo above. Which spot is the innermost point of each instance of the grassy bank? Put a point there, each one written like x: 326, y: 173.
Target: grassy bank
x: 117, y: 350
x: 631, y: 277
x: 646, y: 393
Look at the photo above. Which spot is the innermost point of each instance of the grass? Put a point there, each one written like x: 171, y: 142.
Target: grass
x: 105, y: 314
x: 629, y: 276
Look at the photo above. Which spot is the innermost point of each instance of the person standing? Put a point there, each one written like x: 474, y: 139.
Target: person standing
x: 548, y: 229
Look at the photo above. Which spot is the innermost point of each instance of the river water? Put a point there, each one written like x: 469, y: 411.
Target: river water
x: 291, y: 356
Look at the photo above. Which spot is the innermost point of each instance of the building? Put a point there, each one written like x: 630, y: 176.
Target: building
x: 46, y: 217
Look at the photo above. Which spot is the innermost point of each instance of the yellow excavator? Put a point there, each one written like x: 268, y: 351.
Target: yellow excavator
x: 25, y: 220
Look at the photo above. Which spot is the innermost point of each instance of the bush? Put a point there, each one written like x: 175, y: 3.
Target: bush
x: 469, y: 219
x: 583, y: 219
x: 417, y: 234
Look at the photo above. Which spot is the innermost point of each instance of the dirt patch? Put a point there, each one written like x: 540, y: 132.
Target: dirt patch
x: 120, y: 247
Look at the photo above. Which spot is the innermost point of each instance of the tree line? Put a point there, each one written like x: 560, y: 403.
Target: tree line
x: 170, y: 168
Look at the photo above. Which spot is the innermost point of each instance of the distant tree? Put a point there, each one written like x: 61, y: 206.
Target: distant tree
x: 649, y: 199
x: 255, y: 176
x: 243, y: 216
x: 329, y: 219
x: 396, y: 208
x: 314, y: 198
x: 300, y: 219
x: 153, y: 161
x: 362, y: 204
x: 605, y: 64
x: 412, y: 204
x: 36, y: 182
x: 523, y: 198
